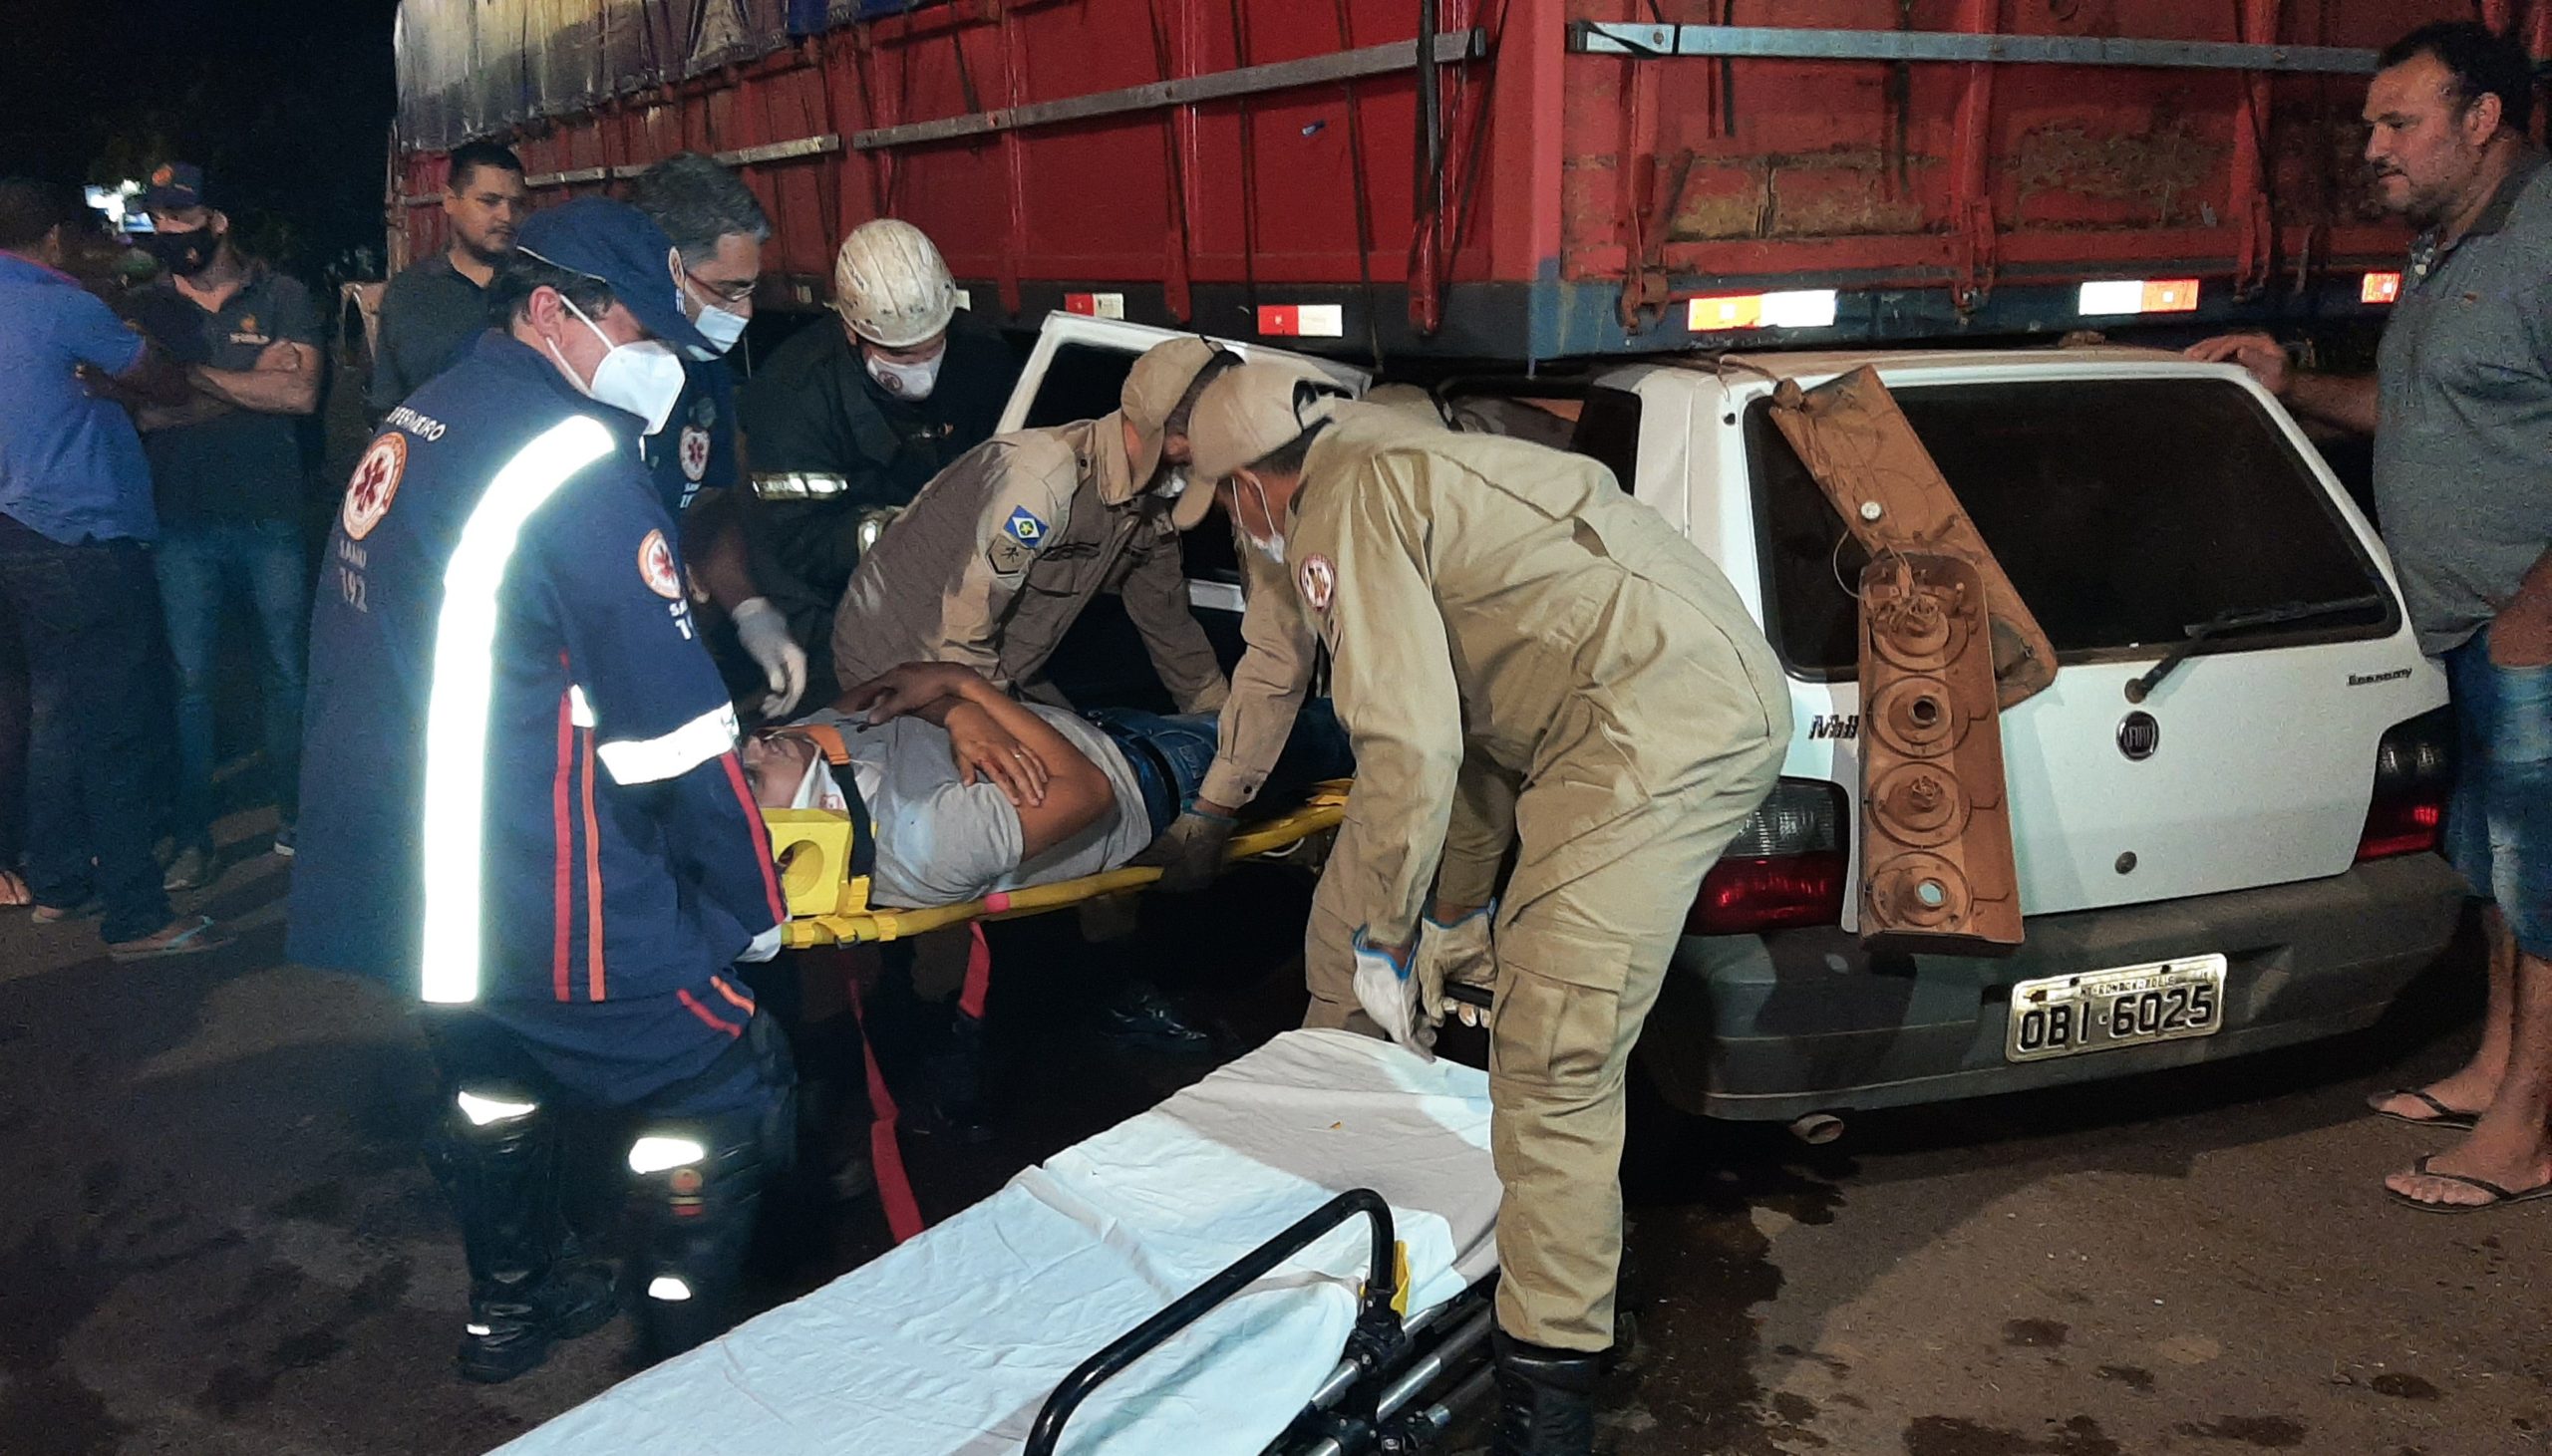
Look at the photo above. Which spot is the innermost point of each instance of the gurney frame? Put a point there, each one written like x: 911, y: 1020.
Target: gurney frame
x: 1363, y: 1403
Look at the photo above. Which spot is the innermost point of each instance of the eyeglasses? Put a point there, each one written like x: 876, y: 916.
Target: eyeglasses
x: 732, y: 292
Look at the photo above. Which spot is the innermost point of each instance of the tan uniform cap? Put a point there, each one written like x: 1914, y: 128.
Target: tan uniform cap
x: 1252, y: 412
x: 1153, y: 388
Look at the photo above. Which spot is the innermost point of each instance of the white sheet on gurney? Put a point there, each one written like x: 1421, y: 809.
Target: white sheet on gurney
x: 951, y: 1342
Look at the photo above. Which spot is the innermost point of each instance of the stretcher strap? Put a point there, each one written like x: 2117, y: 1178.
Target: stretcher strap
x: 979, y: 974
x: 885, y: 1152
x: 864, y: 831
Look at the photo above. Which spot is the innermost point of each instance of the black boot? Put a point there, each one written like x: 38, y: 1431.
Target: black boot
x: 530, y: 1286
x: 1546, y: 1399
x: 506, y: 1336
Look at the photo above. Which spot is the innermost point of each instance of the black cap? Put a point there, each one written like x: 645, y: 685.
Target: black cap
x: 176, y: 186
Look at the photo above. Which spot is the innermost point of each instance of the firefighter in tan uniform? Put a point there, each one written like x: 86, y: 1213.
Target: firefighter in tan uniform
x: 1001, y: 552
x: 1522, y: 654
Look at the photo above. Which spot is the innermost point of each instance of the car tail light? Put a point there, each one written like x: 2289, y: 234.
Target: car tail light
x: 1790, y: 865
x: 2413, y: 777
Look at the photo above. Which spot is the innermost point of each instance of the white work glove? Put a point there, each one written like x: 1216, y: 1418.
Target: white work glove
x: 1459, y: 954
x: 763, y: 947
x: 765, y: 636
x: 1388, y: 994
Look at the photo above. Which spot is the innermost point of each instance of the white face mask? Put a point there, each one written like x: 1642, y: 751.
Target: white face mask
x: 1173, y: 484
x: 721, y: 327
x: 644, y: 377
x: 1273, y: 547
x: 906, y: 381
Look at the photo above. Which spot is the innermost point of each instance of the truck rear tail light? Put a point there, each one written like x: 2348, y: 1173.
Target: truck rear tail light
x: 2413, y: 777
x: 1302, y: 320
x: 1805, y: 308
x: 1788, y: 866
x: 2139, y: 296
x: 2379, y: 288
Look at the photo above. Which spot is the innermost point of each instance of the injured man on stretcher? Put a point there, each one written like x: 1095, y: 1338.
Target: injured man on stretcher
x: 971, y: 791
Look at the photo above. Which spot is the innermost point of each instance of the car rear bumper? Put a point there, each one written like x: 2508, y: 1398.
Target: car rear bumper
x: 1771, y: 1027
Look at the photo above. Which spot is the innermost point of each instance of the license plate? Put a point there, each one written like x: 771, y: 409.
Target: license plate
x: 2130, y: 1006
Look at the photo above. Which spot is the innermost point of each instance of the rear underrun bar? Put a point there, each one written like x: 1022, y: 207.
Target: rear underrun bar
x: 1792, y: 43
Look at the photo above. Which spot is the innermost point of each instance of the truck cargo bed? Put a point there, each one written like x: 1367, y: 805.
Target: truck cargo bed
x: 1556, y: 178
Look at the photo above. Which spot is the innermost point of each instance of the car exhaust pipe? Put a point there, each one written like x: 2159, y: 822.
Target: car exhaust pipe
x: 1817, y: 1129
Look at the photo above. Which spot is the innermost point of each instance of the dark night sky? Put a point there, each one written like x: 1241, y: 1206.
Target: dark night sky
x: 287, y: 101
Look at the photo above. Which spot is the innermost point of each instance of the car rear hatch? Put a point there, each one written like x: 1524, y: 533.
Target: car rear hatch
x: 2128, y: 507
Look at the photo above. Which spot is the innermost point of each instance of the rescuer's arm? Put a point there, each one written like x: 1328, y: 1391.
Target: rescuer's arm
x: 664, y: 729
x: 1154, y: 594
x: 1475, y: 840
x: 1275, y: 668
x: 1391, y: 676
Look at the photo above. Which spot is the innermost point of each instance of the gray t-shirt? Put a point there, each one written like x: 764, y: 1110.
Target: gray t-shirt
x: 2463, y: 444
x: 940, y: 841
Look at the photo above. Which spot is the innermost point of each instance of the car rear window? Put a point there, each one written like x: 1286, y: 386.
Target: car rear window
x: 2124, y: 510
x: 1082, y: 382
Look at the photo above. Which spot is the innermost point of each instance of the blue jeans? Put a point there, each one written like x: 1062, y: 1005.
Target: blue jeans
x: 198, y: 563
x: 1171, y: 751
x: 83, y: 616
x: 2498, y: 829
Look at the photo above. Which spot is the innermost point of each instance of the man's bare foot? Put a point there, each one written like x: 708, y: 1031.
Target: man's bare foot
x: 13, y: 890
x: 2467, y: 1090
x: 2452, y: 1179
x: 2426, y: 1107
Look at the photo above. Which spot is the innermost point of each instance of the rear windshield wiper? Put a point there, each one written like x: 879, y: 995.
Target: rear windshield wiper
x: 2241, y: 619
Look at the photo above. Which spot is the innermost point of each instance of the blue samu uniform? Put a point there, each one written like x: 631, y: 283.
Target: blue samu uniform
x: 617, y: 854
x: 696, y: 450
x: 523, y: 795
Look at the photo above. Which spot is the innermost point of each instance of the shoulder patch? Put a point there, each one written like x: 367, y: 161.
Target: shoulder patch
x: 374, y: 484
x: 656, y: 567
x: 1008, y: 556
x: 695, y: 452
x: 1319, y: 581
x: 1026, y: 527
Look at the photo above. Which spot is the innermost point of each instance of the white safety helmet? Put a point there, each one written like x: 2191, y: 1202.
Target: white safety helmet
x: 890, y: 285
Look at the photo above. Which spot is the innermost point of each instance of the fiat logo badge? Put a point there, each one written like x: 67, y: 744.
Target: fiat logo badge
x: 2139, y: 736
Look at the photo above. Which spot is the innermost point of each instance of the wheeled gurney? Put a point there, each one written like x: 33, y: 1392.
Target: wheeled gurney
x: 1125, y: 1296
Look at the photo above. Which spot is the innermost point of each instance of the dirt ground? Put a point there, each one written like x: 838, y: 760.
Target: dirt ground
x: 221, y: 1241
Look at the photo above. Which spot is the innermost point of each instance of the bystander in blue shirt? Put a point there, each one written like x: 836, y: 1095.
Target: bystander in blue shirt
x: 71, y: 467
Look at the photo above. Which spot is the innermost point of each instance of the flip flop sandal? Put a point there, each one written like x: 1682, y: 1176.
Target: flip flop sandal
x: 2499, y: 1197
x: 2452, y: 1118
x: 194, y: 938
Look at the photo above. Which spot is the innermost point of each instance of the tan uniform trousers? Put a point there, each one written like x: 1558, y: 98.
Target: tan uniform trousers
x: 1579, y: 965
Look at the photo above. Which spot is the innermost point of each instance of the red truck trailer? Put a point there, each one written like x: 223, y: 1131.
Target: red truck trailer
x: 1514, y: 180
